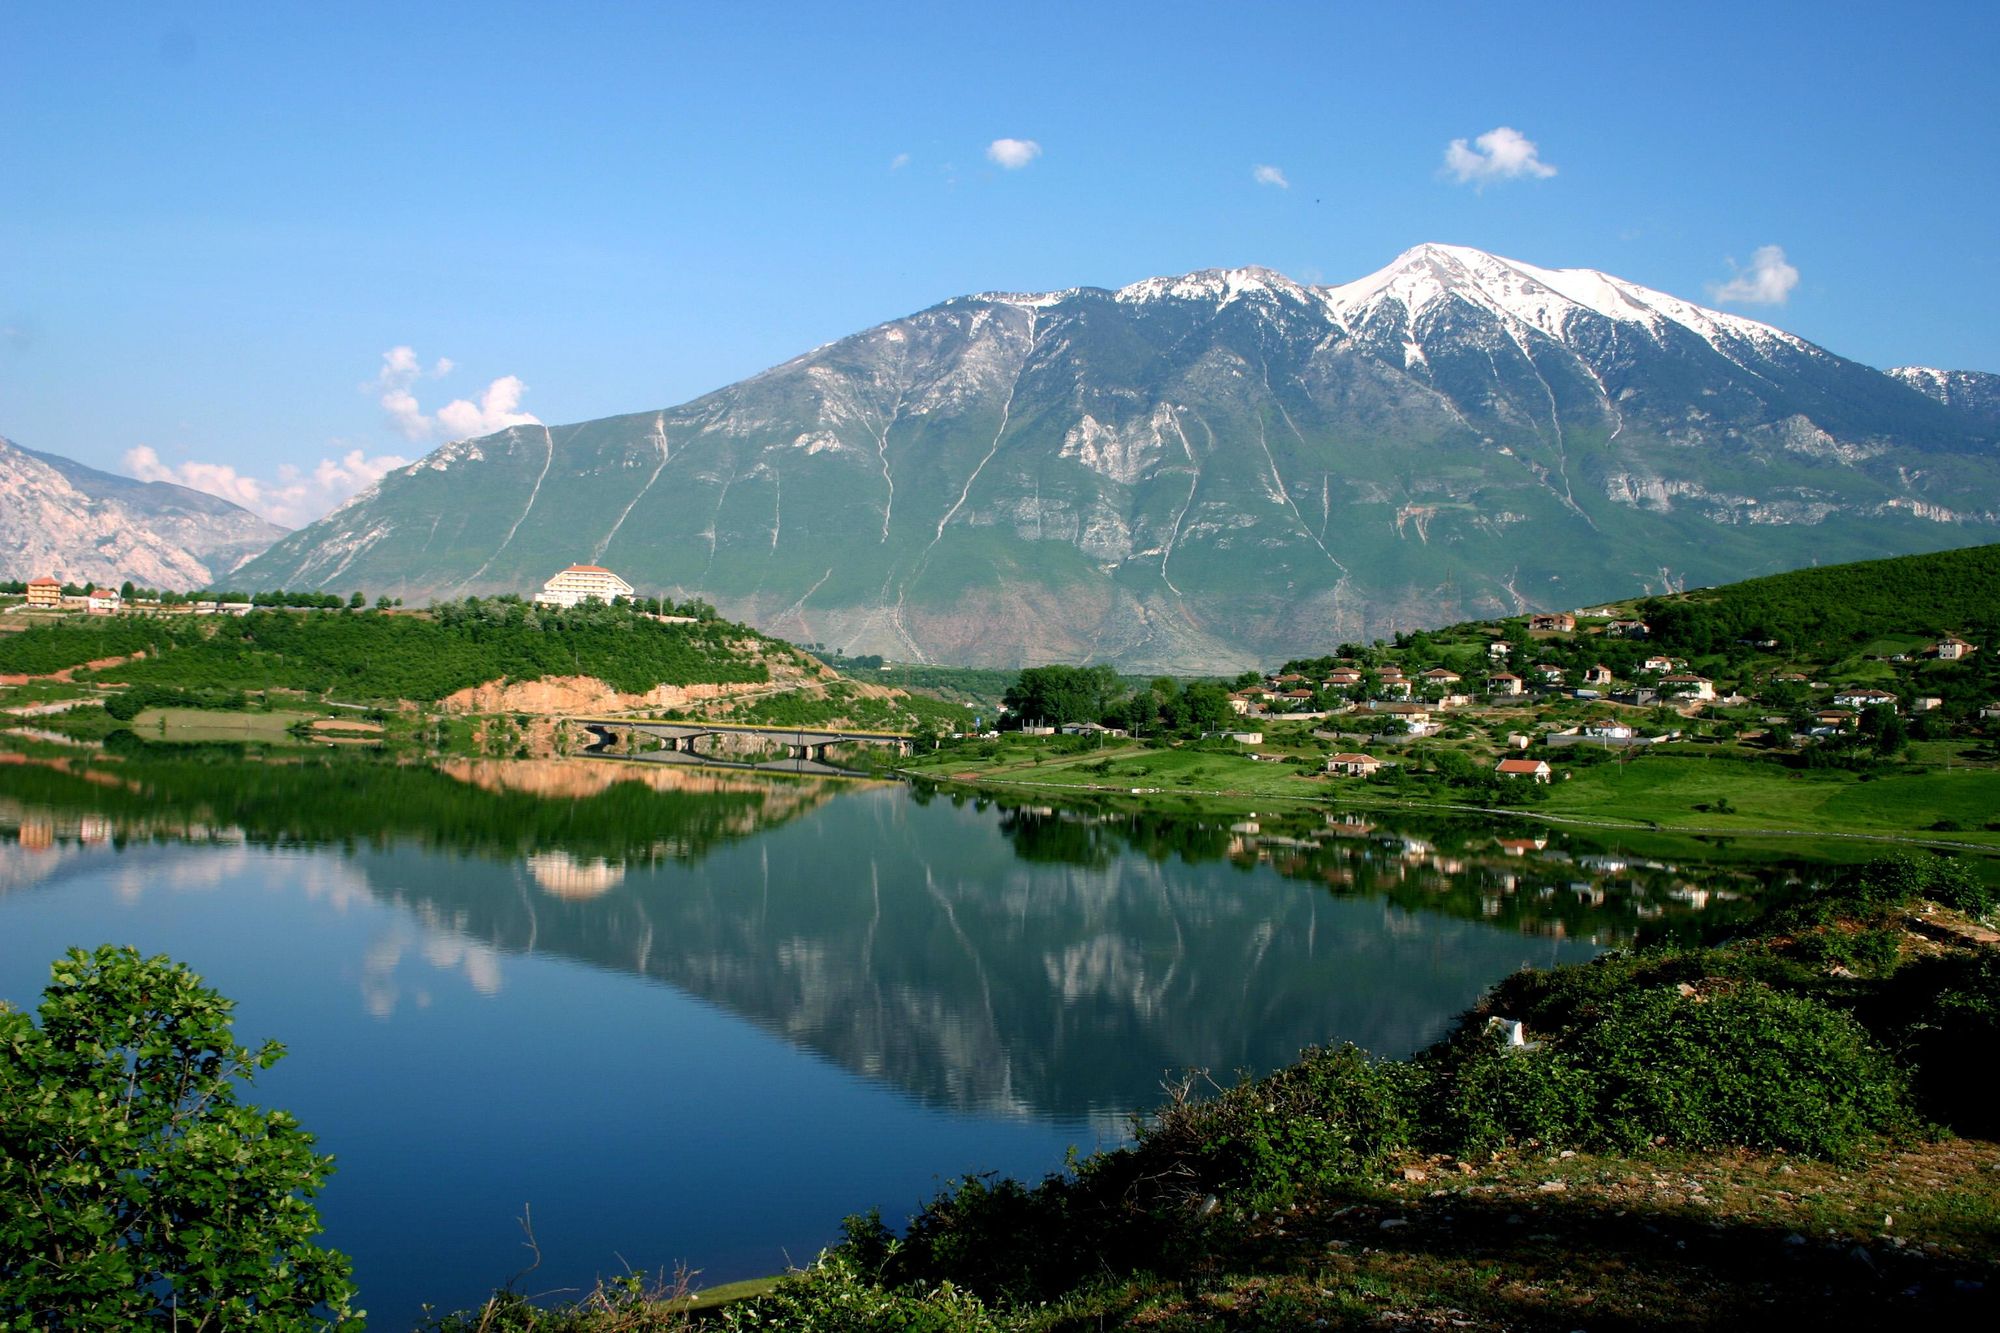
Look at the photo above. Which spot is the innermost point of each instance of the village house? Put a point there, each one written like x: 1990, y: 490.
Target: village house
x: 1828, y: 720
x: 1555, y: 622
x: 1926, y: 703
x: 1951, y: 648
x: 1504, y: 682
x: 102, y: 601
x: 1687, y: 685
x: 1610, y: 731
x: 1864, y: 698
x: 1627, y: 629
x: 45, y: 593
x: 1537, y: 769
x: 1353, y: 765
x: 1658, y: 663
x: 1990, y: 711
x: 1440, y: 676
x: 1548, y: 673
x: 580, y: 583
x: 1597, y: 675
x: 1497, y: 649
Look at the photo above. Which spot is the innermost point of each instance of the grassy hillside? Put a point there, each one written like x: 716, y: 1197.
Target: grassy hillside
x: 375, y: 656
x: 1821, y: 611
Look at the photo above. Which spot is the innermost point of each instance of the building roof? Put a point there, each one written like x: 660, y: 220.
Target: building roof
x: 586, y: 569
x: 1523, y: 765
x: 1352, y: 759
x: 45, y: 582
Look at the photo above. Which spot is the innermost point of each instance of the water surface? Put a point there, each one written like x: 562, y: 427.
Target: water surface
x: 684, y: 1017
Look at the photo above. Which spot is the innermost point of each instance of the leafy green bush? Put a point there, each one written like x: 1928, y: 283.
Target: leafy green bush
x: 1498, y: 1095
x: 1751, y: 1066
x: 834, y: 1296
x: 1271, y: 1141
x: 135, y: 1190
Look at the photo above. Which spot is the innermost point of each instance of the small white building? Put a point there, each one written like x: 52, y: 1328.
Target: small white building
x: 103, y: 601
x: 1353, y: 765
x: 580, y: 583
x: 1687, y: 685
x: 1864, y: 698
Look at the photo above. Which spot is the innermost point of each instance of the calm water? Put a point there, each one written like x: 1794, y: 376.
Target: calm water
x: 685, y: 1017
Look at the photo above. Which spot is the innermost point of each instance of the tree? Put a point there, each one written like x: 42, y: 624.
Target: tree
x: 135, y: 1190
x: 127, y: 591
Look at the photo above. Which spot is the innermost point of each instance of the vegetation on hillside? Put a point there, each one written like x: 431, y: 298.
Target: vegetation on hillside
x: 1826, y: 612
x: 369, y: 655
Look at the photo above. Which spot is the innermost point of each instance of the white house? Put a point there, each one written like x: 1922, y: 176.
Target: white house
x: 1352, y: 765
x: 580, y: 583
x: 1687, y: 685
x: 1863, y: 698
x: 1537, y: 769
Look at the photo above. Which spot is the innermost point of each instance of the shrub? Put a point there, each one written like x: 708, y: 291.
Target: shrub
x: 1271, y: 1141
x: 135, y: 1190
x: 1496, y: 1096
x: 1751, y: 1066
x: 833, y: 1296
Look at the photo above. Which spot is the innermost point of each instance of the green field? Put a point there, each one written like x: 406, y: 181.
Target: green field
x: 203, y: 724
x: 1748, y: 795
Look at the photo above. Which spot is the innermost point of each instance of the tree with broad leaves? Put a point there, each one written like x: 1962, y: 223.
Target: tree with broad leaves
x: 136, y: 1191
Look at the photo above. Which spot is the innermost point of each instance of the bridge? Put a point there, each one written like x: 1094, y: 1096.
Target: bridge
x: 807, y: 745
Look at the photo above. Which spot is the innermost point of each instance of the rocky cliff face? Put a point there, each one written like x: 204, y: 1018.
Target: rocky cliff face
x: 1204, y: 472
x: 62, y: 518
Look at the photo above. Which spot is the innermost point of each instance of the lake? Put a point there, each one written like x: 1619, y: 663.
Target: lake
x: 671, y: 1016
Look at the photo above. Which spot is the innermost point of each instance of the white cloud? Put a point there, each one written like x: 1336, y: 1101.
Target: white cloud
x: 899, y: 161
x: 1500, y: 154
x: 457, y: 420
x: 1264, y: 174
x: 1768, y: 281
x: 296, y: 496
x: 1013, y: 154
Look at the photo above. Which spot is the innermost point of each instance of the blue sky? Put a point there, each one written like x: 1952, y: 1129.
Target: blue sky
x: 219, y: 218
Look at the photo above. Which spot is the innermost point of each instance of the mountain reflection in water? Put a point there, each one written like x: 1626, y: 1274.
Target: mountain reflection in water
x: 1021, y: 960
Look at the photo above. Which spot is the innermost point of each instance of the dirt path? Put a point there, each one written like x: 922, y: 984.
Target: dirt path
x: 67, y: 676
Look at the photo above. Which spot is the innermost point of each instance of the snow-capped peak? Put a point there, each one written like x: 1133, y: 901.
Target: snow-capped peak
x: 1221, y: 285
x: 1545, y: 298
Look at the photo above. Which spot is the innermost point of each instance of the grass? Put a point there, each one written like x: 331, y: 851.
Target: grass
x: 199, y: 724
x: 1749, y: 795
x: 1663, y: 1242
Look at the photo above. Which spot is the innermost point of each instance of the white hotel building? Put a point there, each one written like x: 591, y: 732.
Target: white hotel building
x: 581, y: 582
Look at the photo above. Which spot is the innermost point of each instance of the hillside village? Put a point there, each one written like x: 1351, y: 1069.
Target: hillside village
x: 1594, y: 678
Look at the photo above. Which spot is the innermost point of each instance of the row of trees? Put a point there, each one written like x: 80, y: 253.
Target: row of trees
x: 1060, y: 695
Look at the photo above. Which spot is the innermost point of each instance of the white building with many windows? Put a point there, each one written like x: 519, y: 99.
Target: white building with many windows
x: 580, y: 583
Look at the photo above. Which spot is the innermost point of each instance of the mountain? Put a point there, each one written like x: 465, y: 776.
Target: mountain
x: 1974, y: 392
x: 59, y: 517
x: 1203, y: 472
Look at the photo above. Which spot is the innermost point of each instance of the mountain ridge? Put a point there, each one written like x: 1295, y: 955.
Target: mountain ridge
x: 1199, y: 472
x: 78, y: 523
